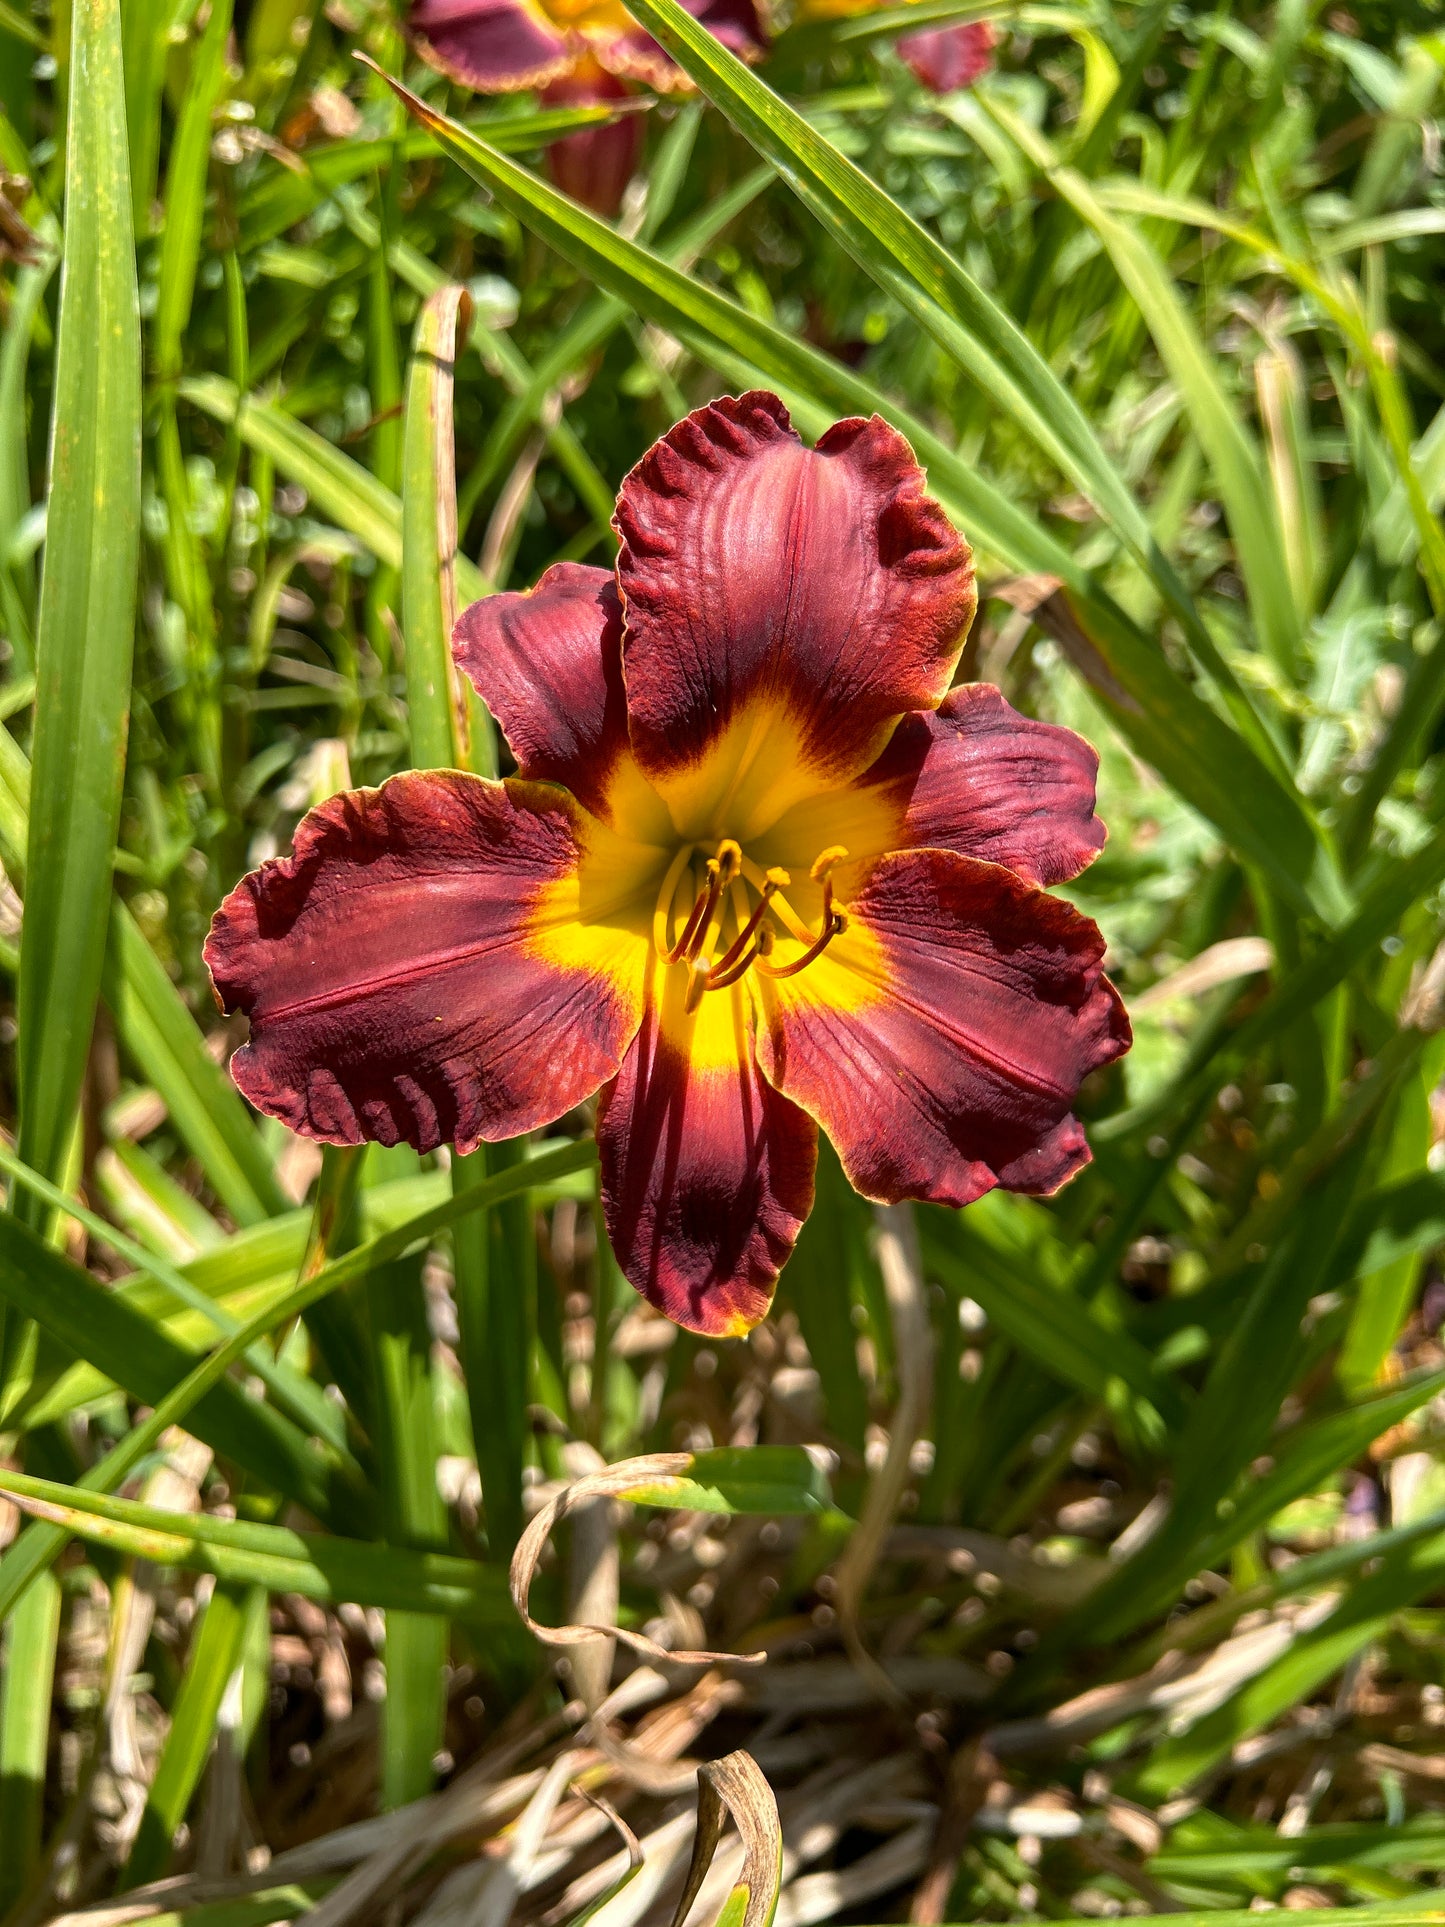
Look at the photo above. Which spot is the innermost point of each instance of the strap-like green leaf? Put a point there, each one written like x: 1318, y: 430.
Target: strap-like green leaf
x: 86, y: 623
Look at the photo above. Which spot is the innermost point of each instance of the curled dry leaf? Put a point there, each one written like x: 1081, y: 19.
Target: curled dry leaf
x: 633, y: 1847
x: 621, y: 1481
x: 735, y: 1785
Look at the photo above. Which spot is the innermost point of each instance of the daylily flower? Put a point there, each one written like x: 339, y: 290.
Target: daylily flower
x: 595, y: 164
x: 760, y: 871
x: 574, y: 52
x: 501, y: 46
x: 947, y: 58
x: 943, y: 58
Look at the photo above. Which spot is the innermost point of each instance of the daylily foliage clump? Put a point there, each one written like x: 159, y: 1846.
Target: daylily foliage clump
x: 760, y: 871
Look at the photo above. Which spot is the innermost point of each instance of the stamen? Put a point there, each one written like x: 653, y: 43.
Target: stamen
x: 773, y: 881
x: 704, y: 945
x: 699, y: 932
x: 720, y: 978
x: 663, y: 911
x: 834, y: 923
x: 822, y: 864
x: 697, y: 917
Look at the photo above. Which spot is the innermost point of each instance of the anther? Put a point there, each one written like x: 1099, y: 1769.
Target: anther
x: 692, y: 930
x: 835, y: 853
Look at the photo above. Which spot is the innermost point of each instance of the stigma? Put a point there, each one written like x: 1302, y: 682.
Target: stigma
x: 727, y: 888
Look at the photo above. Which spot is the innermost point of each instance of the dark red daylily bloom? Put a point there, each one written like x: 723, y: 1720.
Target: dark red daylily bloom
x: 761, y: 870
x: 594, y: 165
x: 946, y: 58
x: 500, y: 46
x: 575, y: 52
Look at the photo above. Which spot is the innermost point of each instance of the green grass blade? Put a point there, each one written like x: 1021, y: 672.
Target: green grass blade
x: 17, y: 585
x: 283, y: 197
x: 497, y: 1292
x: 162, y: 1037
x: 772, y: 1480
x: 414, y: 1716
x: 439, y: 732
x: 1363, y: 1614
x: 241, y: 1552
x: 145, y: 45
x: 93, y: 1323
x: 215, y: 1653
x: 592, y: 328
x: 1399, y: 885
x: 38, y: 1546
x: 185, y: 204
x: 293, y: 1391
x: 340, y: 487
x: 29, y: 1670
x: 87, y: 599
x: 1305, y: 1459
x: 1233, y: 453
x: 1069, y: 1338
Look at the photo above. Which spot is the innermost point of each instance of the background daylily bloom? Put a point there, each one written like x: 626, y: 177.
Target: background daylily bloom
x: 760, y: 871
x: 595, y: 164
x: 943, y: 58
x: 575, y: 52
x: 501, y: 46
x: 946, y: 58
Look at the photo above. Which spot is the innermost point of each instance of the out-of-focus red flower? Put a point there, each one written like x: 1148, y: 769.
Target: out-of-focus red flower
x: 943, y: 58
x: 502, y: 46
x: 575, y: 52
x: 946, y: 58
x: 595, y: 164
x: 761, y: 871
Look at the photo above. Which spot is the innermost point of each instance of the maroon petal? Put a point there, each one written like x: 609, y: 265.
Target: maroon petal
x: 946, y: 58
x: 548, y: 664
x: 707, y: 1173
x: 435, y: 962
x: 979, y: 778
x: 784, y: 606
x: 941, y: 1039
x: 631, y: 52
x: 593, y: 166
x: 492, y: 46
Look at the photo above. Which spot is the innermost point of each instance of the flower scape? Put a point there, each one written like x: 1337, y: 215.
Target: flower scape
x: 761, y: 871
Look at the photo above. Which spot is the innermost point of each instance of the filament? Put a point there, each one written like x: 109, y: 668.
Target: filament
x: 661, y: 942
x: 753, y: 944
